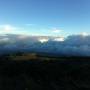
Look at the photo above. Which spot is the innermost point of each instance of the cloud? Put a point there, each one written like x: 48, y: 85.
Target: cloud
x: 4, y: 39
x: 43, y: 40
x: 73, y: 45
x: 23, y: 37
x: 10, y: 29
x: 55, y: 30
x: 29, y: 24
x: 7, y: 28
x: 84, y: 34
x: 59, y: 39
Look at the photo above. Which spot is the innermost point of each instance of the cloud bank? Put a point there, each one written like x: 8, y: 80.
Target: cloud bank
x: 73, y: 45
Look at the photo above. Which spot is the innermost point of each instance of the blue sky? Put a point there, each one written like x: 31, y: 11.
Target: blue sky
x: 45, y: 17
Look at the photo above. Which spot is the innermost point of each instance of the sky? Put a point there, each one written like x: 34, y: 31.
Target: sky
x: 45, y: 17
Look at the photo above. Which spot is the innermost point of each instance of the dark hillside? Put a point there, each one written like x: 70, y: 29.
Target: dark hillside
x: 67, y: 74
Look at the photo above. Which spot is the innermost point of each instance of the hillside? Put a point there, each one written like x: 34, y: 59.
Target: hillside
x: 62, y: 74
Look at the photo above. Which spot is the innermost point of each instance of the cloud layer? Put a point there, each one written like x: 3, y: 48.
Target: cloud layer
x: 74, y: 45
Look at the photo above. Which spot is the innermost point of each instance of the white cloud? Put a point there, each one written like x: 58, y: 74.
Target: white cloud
x: 10, y: 29
x: 55, y: 30
x: 59, y: 39
x: 7, y: 28
x: 43, y: 40
x: 29, y: 24
x: 84, y: 34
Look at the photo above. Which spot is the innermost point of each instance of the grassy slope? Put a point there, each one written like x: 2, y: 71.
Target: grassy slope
x: 63, y: 74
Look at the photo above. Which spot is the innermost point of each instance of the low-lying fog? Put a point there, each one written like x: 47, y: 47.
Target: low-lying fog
x: 73, y: 45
